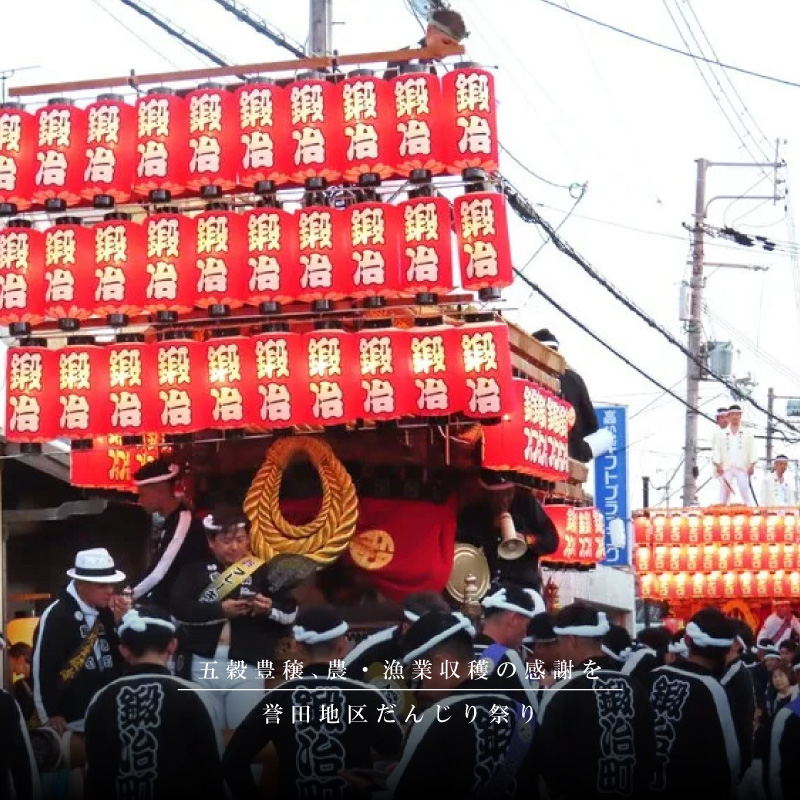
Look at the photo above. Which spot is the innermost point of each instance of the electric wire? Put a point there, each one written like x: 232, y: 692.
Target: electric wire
x: 245, y: 15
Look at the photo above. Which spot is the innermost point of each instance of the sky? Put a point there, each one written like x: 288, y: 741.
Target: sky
x: 578, y: 104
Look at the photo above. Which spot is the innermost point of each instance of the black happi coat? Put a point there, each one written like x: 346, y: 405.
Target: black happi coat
x: 697, y: 753
x: 311, y: 753
x: 574, y: 391
x: 596, y: 744
x: 165, y: 565
x: 59, y: 634
x: 783, y: 769
x: 508, y: 675
x: 253, y: 637
x: 145, y: 738
x: 378, y: 649
x: 640, y: 665
x: 17, y: 765
x: 461, y: 748
x: 738, y: 684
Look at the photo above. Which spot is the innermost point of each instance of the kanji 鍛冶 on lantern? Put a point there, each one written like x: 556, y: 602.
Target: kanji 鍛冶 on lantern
x: 222, y: 281
x: 180, y: 371
x: 384, y: 357
x: 68, y: 272
x: 80, y: 390
x: 231, y: 399
x: 440, y: 390
x: 18, y: 137
x: 130, y: 391
x: 330, y: 391
x: 170, y: 248
x: 319, y: 250
x: 371, y: 233
x: 486, y: 365
x: 110, y: 152
x: 281, y: 380
x: 21, y: 275
x: 263, y: 110
x: 272, y: 265
x: 32, y: 407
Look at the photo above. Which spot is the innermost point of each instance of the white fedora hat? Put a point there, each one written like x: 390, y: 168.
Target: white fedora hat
x: 95, y: 566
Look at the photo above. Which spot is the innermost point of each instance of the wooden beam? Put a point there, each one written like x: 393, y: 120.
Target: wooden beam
x: 154, y: 78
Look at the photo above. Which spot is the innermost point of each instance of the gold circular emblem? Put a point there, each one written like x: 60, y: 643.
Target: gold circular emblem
x: 372, y: 549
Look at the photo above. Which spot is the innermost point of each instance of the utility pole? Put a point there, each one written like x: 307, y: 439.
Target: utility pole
x: 770, y: 424
x: 694, y: 331
x: 320, y: 28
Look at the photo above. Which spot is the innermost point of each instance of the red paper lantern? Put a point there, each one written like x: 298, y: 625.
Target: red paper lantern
x: 170, y: 247
x: 231, y: 400
x: 384, y: 357
x: 418, y: 115
x: 21, y: 276
x: 643, y: 559
x: 130, y: 407
x: 367, y: 114
x: 641, y: 530
x: 273, y: 266
x: 483, y: 244
x: 61, y: 134
x: 330, y: 395
x: 471, y: 119
x: 263, y: 111
x: 794, y: 584
x: 81, y: 380
x: 162, y: 144
x: 120, y: 268
x: 698, y: 585
x: 647, y: 585
x: 18, y: 137
x: 180, y: 373
x: 440, y: 388
x: 536, y: 455
x: 315, y: 127
x: 222, y: 281
x: 485, y: 362
x: 213, y: 139
x: 371, y: 234
x: 111, y: 464
x: 68, y: 272
x: 110, y: 153
x: 280, y: 374
x: 324, y: 276
x: 426, y: 255
x: 714, y: 585
x: 32, y: 407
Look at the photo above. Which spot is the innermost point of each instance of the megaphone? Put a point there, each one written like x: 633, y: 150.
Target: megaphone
x: 512, y: 544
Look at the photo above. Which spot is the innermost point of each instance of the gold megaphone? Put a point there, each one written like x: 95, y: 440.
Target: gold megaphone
x: 512, y: 544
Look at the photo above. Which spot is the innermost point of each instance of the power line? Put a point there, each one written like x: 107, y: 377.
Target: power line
x: 669, y: 48
x: 535, y: 174
x: 244, y: 14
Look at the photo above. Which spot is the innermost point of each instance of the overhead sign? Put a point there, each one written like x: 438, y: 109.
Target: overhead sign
x: 611, y: 486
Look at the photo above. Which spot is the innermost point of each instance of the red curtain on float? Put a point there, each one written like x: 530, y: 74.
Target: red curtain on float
x: 110, y: 152
x: 470, y: 108
x: 384, y: 357
x: 68, y: 275
x: 130, y: 396
x: 21, y: 273
x: 325, y: 274
x: 418, y: 115
x: 329, y: 393
x: 171, y: 273
x: 230, y: 400
x: 426, y: 255
x: 32, y: 407
x: 111, y: 464
x: 485, y: 363
x: 121, y: 279
x: 162, y: 143
x: 81, y: 380
x: 61, y: 135
x: 180, y: 372
x: 263, y: 111
x: 218, y: 259
x: 18, y: 163
x: 484, y: 248
x: 280, y: 371
x: 438, y: 388
x: 273, y: 266
x: 213, y: 139
x: 370, y: 233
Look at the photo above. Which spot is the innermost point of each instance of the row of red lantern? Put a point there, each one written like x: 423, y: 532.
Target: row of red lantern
x: 175, y: 263
x: 717, y: 557
x: 755, y: 527
x: 533, y: 437
x: 262, y: 132
x: 272, y: 380
x: 580, y: 535
x: 715, y: 585
x: 112, y: 463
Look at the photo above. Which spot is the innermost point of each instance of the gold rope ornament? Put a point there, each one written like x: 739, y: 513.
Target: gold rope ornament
x: 329, y: 533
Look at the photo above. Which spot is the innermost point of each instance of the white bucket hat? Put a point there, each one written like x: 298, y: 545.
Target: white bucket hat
x: 95, y: 566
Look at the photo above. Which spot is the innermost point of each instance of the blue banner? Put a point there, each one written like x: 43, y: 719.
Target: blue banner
x: 611, y: 486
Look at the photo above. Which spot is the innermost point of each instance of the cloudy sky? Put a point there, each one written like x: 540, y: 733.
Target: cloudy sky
x: 578, y: 104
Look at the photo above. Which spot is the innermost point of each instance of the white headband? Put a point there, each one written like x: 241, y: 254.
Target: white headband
x: 593, y: 631
x: 702, y: 639
x: 172, y: 471
x: 210, y: 525
x: 462, y: 624
x: 302, y: 636
x: 134, y: 621
x: 678, y: 649
x: 622, y: 656
x: 499, y: 600
x: 772, y: 655
x: 410, y: 615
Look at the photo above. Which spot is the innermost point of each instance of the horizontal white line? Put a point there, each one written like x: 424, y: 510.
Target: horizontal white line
x: 389, y: 689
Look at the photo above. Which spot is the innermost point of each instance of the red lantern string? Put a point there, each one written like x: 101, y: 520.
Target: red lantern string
x: 32, y: 408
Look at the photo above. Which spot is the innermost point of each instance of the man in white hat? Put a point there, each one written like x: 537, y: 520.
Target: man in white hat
x: 777, y: 490
x: 734, y: 457
x: 75, y: 643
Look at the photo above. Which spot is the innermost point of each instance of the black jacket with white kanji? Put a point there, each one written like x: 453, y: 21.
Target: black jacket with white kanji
x: 318, y: 726
x: 60, y: 633
x: 783, y: 769
x: 507, y: 674
x: 697, y: 753
x: 469, y: 746
x: 640, y: 665
x: 596, y: 744
x: 253, y: 637
x: 171, y: 556
x: 738, y: 684
x: 17, y: 765
x: 145, y: 738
